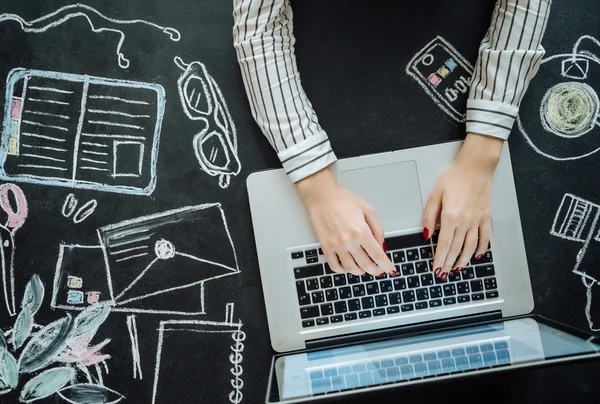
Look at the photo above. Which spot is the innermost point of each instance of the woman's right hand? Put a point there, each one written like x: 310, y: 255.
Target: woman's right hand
x: 345, y: 225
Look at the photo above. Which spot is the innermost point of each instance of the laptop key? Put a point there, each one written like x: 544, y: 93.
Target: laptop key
x: 320, y: 386
x: 454, y: 276
x: 312, y: 260
x: 477, y: 296
x: 393, y: 310
x: 336, y: 319
x: 463, y: 298
x: 399, y: 284
x: 352, y: 381
x: 328, y: 270
x: 364, y: 314
x: 421, y: 305
x: 472, y: 349
x: 421, y: 267
x: 422, y: 294
x: 426, y: 280
x: 485, y: 259
x: 426, y: 253
x: 407, y: 371
x: 381, y: 300
x: 462, y: 288
x: 491, y: 295
x: 449, y: 289
x: 358, y: 290
x: 490, y: 283
x: 326, y: 309
x: 398, y: 257
x: 312, y: 284
x: 476, y: 285
x: 406, y: 241
x: 467, y: 273
x: 386, y: 286
x: 439, y: 280
x: 412, y: 254
x: 340, y: 307
x: 408, y: 296
x: 435, y: 367
x: 372, y: 288
x: 379, y: 312
x: 350, y: 316
x: 421, y: 369
x: 407, y: 307
x: 366, y: 277
x: 429, y: 356
x: 344, y: 370
x: 449, y: 300
x: 475, y: 360
x: 308, y: 323
x: 297, y: 254
x: 448, y: 365
x: 486, y: 347
x: 503, y: 356
x: 386, y: 363
x: 393, y: 374
x: 318, y: 297
x: 458, y: 352
x: 489, y: 359
x: 308, y: 271
x: 407, y: 269
x: 413, y: 282
x: 338, y: 383
x: 303, y: 300
x: 365, y: 378
x: 322, y: 321
x: 435, y: 292
x: 339, y: 279
x: 354, y: 305
x: 331, y: 295
x: 484, y: 270
x: 435, y: 303
x: 367, y: 302
x: 401, y: 360
x: 345, y: 292
x: 462, y: 363
x: 501, y: 345
x: 394, y: 298
x: 352, y: 279
x: 309, y: 312
x: 415, y: 358
x: 444, y: 354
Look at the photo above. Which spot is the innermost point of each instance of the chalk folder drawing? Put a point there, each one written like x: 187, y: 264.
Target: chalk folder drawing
x: 81, y: 131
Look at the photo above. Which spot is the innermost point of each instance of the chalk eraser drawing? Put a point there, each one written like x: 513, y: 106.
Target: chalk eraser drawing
x: 561, y: 120
x: 81, y: 131
x: 444, y: 74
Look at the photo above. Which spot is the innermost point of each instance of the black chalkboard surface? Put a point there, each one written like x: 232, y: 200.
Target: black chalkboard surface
x: 129, y: 270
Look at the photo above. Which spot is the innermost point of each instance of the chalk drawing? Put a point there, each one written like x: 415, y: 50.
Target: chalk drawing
x: 117, y: 153
x: 577, y: 220
x: 566, y: 125
x: 96, y: 21
x: 444, y: 74
x: 135, y: 346
x: 128, y: 268
x: 215, y: 145
x: 198, y: 331
x: 82, y: 213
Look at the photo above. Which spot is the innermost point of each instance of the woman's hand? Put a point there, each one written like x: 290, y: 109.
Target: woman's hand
x: 347, y: 228
x: 462, y: 199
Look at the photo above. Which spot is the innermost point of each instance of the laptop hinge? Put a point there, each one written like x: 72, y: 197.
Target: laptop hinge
x: 405, y: 330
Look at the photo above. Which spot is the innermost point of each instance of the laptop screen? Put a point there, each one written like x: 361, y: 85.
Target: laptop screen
x: 525, y: 341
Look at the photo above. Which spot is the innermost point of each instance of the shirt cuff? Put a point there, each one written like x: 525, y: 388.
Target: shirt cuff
x: 492, y: 118
x: 307, y: 157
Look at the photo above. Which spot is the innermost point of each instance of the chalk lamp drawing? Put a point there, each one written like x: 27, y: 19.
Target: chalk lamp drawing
x: 562, y: 122
x: 69, y: 209
x: 81, y: 131
x: 215, y: 145
x: 96, y: 20
x: 229, y: 327
x: 444, y: 74
x: 148, y: 259
x: 54, y: 360
x: 576, y: 220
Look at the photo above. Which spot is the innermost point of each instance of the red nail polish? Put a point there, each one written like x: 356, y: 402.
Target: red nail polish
x: 437, y: 272
x: 393, y: 273
x: 426, y: 233
x: 444, y: 276
x: 457, y: 269
x: 384, y: 247
x: 478, y: 257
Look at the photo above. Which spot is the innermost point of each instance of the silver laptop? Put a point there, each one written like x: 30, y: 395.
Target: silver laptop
x: 338, y: 318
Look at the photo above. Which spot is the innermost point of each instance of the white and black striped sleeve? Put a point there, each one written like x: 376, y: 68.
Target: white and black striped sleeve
x: 264, y: 41
x: 509, y: 57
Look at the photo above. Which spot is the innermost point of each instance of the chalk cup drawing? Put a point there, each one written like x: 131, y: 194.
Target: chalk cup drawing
x: 69, y: 209
x: 199, y: 330
x: 81, y: 131
x: 577, y: 220
x: 96, y: 21
x: 563, y: 122
x: 215, y: 145
x: 54, y: 358
x: 15, y: 217
x: 444, y: 74
x: 152, y: 264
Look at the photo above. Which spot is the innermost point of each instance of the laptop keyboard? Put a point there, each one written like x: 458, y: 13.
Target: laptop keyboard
x: 420, y: 364
x: 326, y: 297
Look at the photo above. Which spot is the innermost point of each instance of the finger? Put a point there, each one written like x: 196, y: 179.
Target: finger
x: 444, y: 242
x: 375, y: 225
x: 455, y: 247
x: 349, y: 264
x: 432, y: 212
x: 333, y: 261
x: 484, y: 238
x: 365, y: 262
x: 377, y: 255
x: 468, y: 248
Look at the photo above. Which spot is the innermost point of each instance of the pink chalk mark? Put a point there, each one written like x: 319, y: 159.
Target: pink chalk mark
x: 15, y: 219
x: 434, y: 79
x: 93, y: 297
x: 17, y: 108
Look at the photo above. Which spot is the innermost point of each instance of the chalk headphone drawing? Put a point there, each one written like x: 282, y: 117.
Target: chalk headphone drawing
x: 562, y: 122
x: 66, y: 13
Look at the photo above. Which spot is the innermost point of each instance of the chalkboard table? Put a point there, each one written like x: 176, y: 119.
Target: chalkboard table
x: 128, y: 267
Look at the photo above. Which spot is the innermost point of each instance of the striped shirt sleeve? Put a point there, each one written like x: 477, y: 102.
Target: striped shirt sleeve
x: 264, y: 41
x: 509, y: 56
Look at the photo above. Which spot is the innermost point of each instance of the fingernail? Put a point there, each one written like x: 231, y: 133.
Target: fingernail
x: 384, y: 247
x: 381, y: 274
x: 479, y: 257
x: 425, y: 233
x: 437, y: 271
x: 457, y: 269
x: 444, y: 276
x: 393, y: 273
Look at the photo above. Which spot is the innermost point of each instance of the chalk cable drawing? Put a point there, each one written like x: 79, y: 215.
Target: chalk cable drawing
x: 82, y: 213
x: 64, y: 14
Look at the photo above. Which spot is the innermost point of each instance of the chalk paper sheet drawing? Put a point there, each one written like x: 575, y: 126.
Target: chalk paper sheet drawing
x: 220, y: 362
x: 152, y: 264
x: 561, y: 120
x: 97, y: 21
x: 81, y: 131
x: 444, y: 74
x: 215, y: 145
x: 577, y: 220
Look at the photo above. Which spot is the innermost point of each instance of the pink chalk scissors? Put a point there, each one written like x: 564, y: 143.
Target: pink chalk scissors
x: 14, y: 220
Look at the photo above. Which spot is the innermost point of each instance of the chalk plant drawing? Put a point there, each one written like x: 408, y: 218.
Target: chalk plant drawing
x: 215, y: 145
x: 444, y: 74
x: 199, y: 330
x: 141, y: 263
x: 562, y: 122
x: 81, y: 131
x: 15, y: 218
x: 54, y: 360
x: 70, y: 206
x: 577, y: 220
x: 96, y: 20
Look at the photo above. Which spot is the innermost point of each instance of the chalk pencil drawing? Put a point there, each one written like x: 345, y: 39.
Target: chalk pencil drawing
x: 15, y: 218
x: 85, y: 211
x: 215, y: 145
x: 158, y: 263
x: 56, y: 354
x: 198, y: 332
x: 81, y: 131
x: 577, y: 220
x: 562, y: 122
x: 135, y: 346
x: 444, y: 74
x: 96, y: 20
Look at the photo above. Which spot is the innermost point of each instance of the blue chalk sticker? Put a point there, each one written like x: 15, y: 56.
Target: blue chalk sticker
x: 74, y: 297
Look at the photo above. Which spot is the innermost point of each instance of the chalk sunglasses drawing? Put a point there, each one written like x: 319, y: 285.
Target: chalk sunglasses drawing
x: 215, y: 145
x: 562, y: 122
x: 95, y: 19
x: 80, y: 131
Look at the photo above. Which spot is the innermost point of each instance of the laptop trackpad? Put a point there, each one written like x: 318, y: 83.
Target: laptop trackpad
x: 392, y: 189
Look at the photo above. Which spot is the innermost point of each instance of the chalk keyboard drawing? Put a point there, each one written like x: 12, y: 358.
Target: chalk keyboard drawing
x: 181, y: 341
x: 152, y: 264
x: 216, y: 144
x: 81, y: 131
x: 96, y: 20
x: 562, y: 122
x: 444, y: 74
x: 577, y: 220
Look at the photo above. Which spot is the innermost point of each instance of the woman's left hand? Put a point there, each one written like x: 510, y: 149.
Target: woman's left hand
x: 462, y: 199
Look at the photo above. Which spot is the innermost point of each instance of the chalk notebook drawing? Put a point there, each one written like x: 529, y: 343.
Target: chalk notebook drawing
x: 81, y: 131
x: 156, y: 264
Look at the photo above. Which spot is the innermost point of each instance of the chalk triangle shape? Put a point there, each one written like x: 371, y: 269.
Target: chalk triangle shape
x: 169, y: 275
